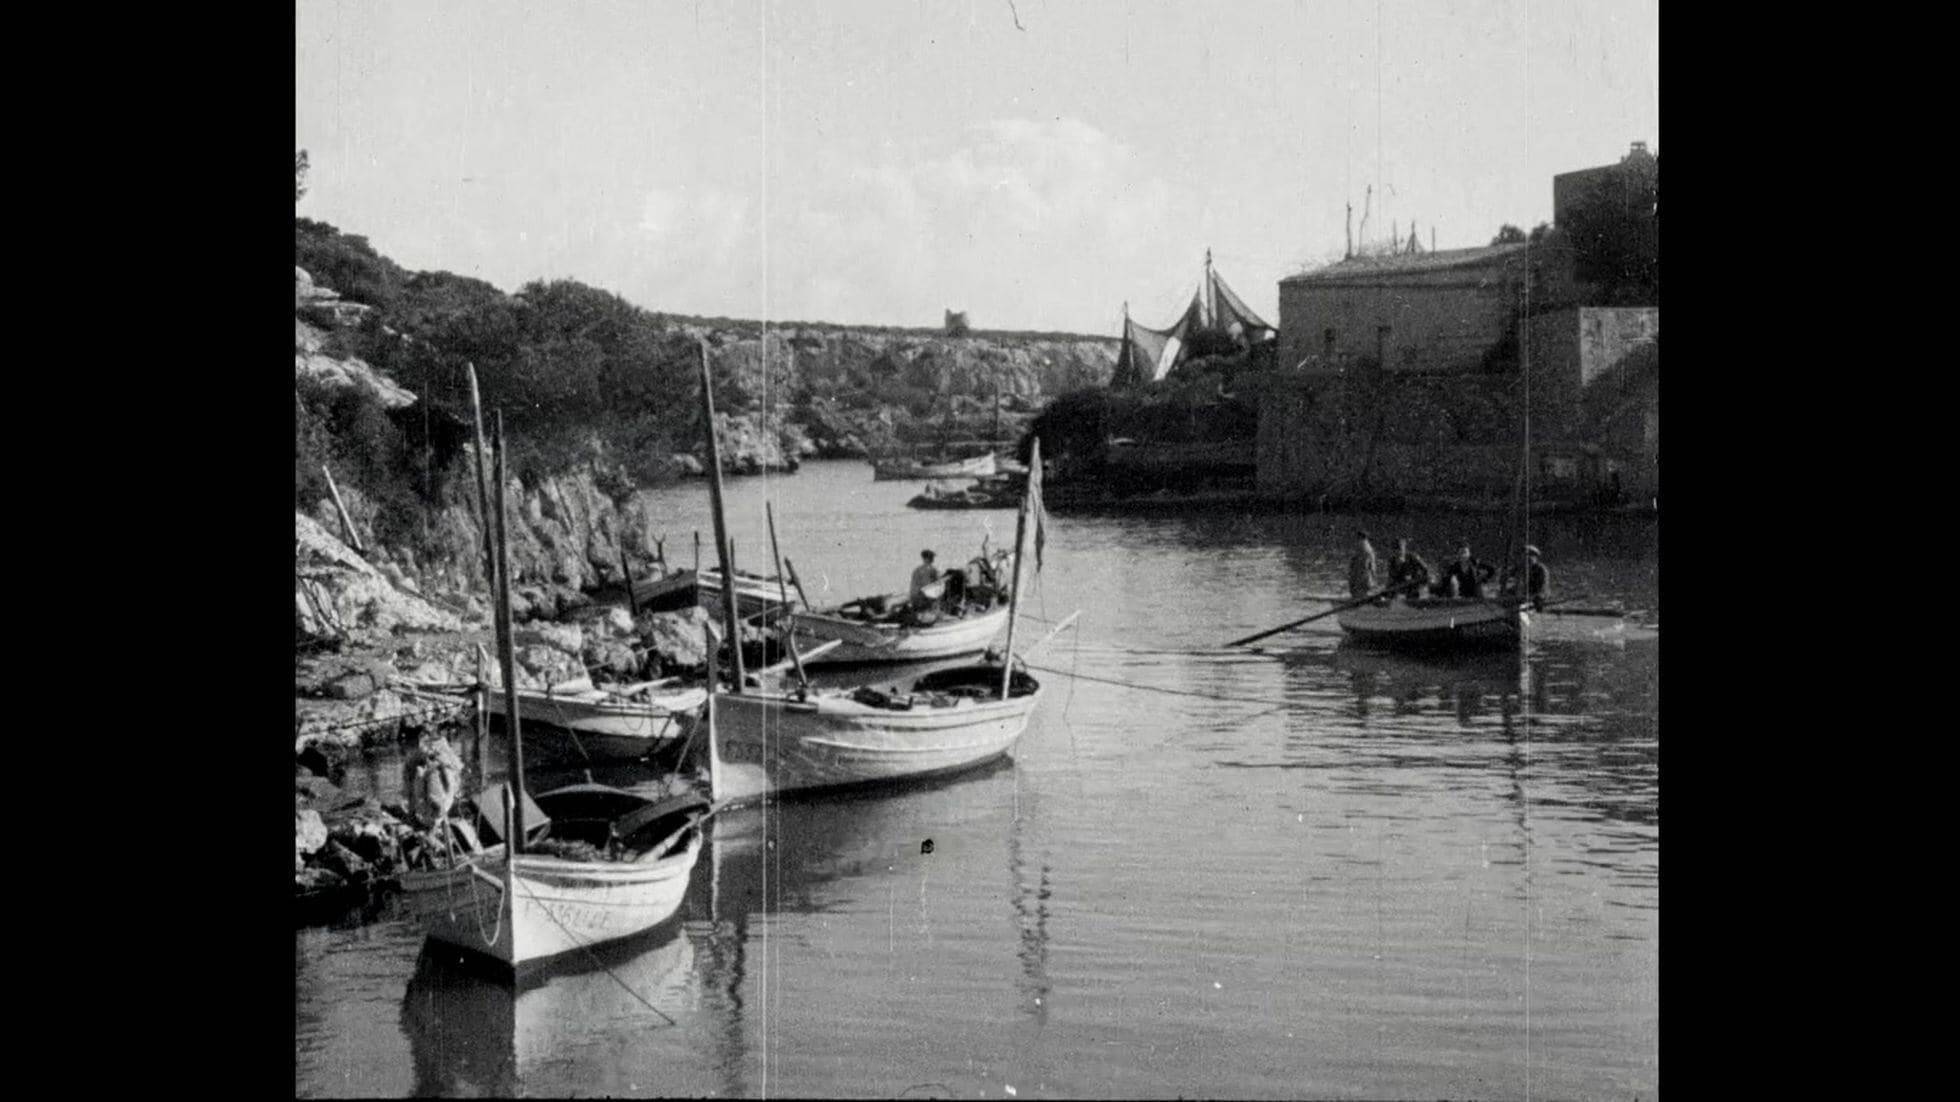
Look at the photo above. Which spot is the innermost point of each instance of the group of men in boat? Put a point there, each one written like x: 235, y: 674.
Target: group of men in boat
x: 1467, y: 576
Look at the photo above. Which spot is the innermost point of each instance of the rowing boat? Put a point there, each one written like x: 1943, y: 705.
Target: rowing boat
x: 1437, y: 622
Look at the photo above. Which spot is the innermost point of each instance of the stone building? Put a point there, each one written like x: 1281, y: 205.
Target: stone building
x: 1634, y: 172
x: 1444, y: 416
x: 1430, y: 312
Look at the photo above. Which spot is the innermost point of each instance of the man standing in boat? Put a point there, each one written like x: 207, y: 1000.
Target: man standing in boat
x: 1466, y: 576
x: 1361, y: 567
x: 1537, y: 579
x: 1406, y: 570
x: 923, y: 575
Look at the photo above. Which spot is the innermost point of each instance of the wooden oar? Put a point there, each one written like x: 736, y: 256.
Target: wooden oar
x: 1343, y: 607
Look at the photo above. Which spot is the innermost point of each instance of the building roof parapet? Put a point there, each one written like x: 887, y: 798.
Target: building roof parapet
x: 1361, y: 267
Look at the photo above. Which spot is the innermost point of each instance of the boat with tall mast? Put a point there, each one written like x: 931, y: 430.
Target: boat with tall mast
x: 777, y: 740
x: 574, y: 868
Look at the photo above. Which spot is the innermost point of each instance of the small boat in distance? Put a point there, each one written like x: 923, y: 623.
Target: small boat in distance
x: 894, y: 468
x: 1000, y: 491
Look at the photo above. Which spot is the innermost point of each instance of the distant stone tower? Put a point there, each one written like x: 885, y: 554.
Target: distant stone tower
x: 956, y: 325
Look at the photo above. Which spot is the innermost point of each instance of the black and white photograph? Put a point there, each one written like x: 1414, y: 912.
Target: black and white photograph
x: 997, y: 549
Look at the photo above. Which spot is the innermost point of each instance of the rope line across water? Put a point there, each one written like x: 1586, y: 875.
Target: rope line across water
x: 1232, y: 699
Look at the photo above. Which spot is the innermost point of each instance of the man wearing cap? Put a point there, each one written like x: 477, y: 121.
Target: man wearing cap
x: 1406, y: 570
x: 1361, y: 567
x: 923, y: 575
x: 1537, y: 579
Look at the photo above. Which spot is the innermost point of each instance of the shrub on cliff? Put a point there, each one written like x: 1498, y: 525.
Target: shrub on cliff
x: 346, y: 263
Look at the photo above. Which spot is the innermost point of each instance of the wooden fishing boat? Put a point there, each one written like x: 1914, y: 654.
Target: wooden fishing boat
x: 902, y: 636
x: 754, y: 593
x: 1001, y: 491
x: 524, y: 912
x: 895, y: 468
x: 573, y: 868
x: 820, y: 738
x: 580, y: 722
x: 885, y: 628
x: 948, y: 721
x: 1437, y: 622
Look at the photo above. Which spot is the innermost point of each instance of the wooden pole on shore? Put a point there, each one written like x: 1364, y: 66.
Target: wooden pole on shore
x: 346, y: 523
x: 724, y: 548
x: 508, y: 651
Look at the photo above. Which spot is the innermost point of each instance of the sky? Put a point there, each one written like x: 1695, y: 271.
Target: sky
x: 1035, y: 163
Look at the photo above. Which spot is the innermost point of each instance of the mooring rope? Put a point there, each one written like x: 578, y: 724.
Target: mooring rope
x: 1230, y: 699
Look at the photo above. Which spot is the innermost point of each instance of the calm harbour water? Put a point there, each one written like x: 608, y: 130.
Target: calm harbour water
x: 1310, y: 871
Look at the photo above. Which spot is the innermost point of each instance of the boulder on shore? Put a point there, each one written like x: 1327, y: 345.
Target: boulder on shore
x: 677, y: 637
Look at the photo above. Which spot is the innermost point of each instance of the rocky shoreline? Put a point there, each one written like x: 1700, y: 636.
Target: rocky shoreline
x: 370, y: 656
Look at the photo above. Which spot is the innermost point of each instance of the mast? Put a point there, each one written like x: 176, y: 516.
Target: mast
x: 507, y: 649
x: 1211, y: 296
x: 1014, y: 594
x: 722, y: 549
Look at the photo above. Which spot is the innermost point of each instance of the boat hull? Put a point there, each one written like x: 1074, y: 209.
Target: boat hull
x: 602, y: 730
x: 980, y: 466
x: 774, y: 743
x: 867, y: 642
x: 1442, y: 623
x: 547, y: 906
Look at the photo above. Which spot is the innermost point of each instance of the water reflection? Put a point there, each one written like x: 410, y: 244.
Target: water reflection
x: 1313, y: 872
x: 473, y: 1033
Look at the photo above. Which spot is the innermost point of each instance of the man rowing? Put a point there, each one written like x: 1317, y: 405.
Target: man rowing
x: 1466, y: 576
x: 1408, y: 575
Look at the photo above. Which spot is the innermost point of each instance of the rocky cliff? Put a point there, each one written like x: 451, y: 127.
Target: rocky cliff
x: 783, y: 393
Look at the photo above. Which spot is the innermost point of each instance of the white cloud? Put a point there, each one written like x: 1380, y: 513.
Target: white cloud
x: 1024, y: 223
